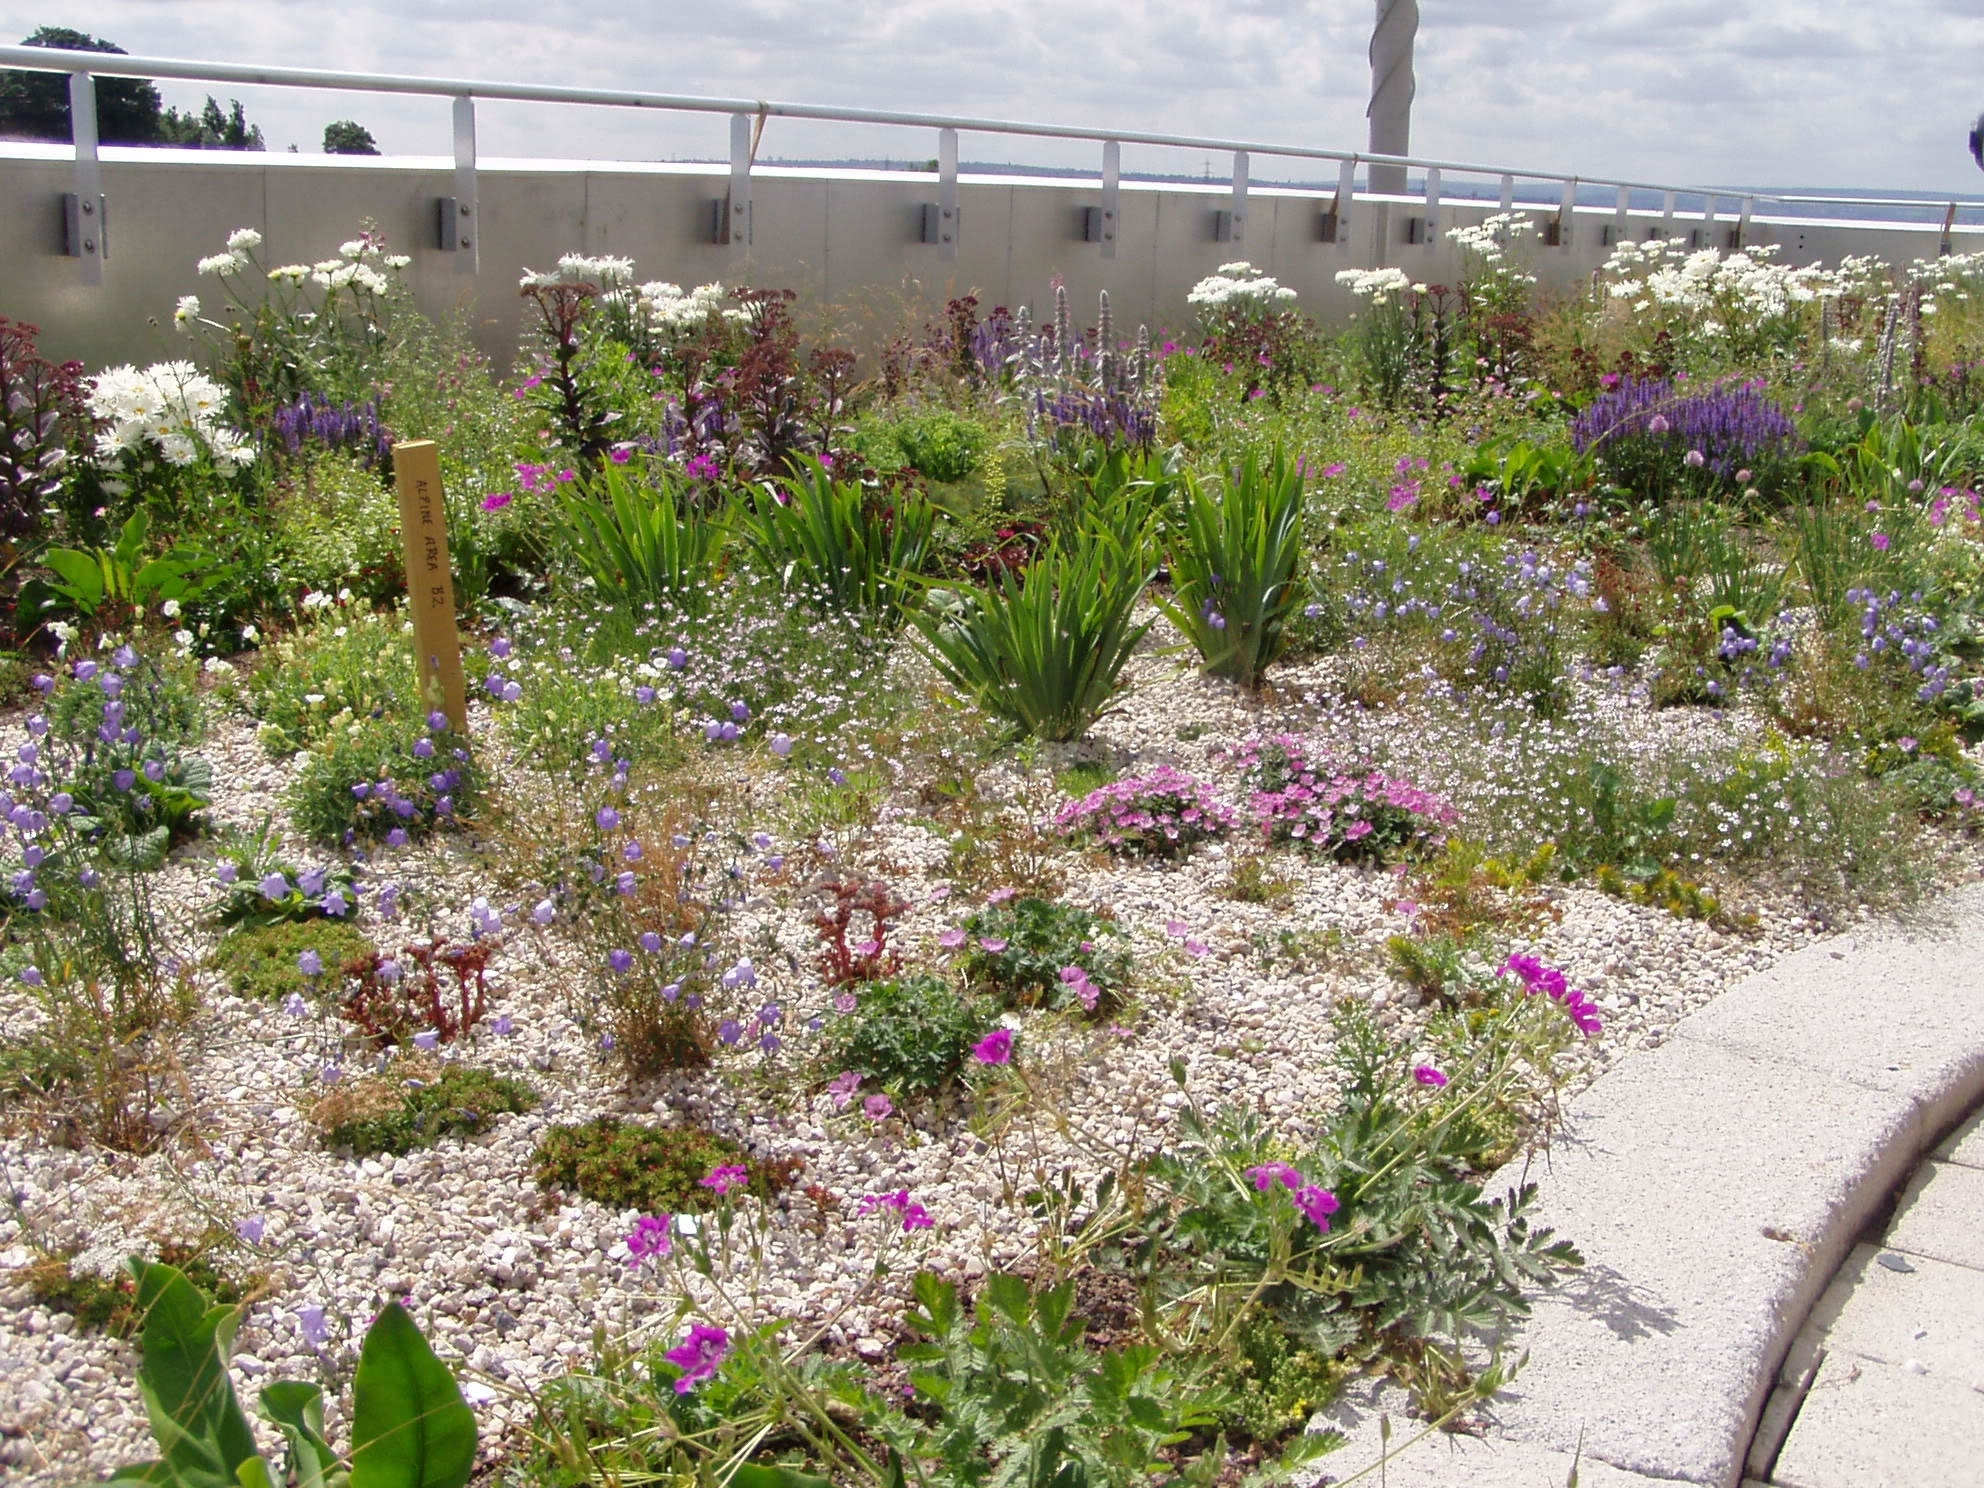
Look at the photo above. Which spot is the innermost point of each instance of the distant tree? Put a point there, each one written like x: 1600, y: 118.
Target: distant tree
x: 210, y: 129
x: 348, y: 137
x: 35, y: 105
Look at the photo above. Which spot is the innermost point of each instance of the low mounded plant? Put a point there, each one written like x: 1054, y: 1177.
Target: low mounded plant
x: 415, y: 1106
x: 261, y: 961
x: 377, y: 777
x: 1353, y: 814
x: 909, y: 1034
x: 655, y: 1169
x: 1164, y: 814
x: 1031, y: 952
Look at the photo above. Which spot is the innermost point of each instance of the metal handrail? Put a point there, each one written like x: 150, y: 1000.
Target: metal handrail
x: 748, y: 116
x: 114, y: 64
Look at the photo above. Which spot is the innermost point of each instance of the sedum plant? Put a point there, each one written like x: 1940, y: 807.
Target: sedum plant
x: 1236, y: 567
x: 410, y: 1427
x: 1046, y: 653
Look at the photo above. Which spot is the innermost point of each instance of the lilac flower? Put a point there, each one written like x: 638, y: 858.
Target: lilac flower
x: 275, y: 886
x: 316, y: 1331
x: 500, y: 648
x: 31, y: 975
x: 781, y: 745
x: 995, y: 1048
x: 251, y: 1228
x: 992, y: 945
x: 606, y: 818
x: 677, y: 658
x: 698, y: 1356
x: 544, y: 912
x: 877, y: 1107
x: 427, y: 1040
x: 842, y: 1088
x: 294, y: 1005
x: 620, y: 960
x: 649, y: 1237
x: 501, y: 1026
x: 310, y: 964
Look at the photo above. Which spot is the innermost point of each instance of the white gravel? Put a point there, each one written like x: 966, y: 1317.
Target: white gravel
x: 511, y: 1283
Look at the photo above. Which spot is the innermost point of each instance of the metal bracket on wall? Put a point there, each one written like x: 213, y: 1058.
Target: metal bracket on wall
x: 1334, y: 226
x: 733, y: 213
x: 83, y: 209
x: 1100, y: 222
x: 464, y: 221
x: 85, y: 227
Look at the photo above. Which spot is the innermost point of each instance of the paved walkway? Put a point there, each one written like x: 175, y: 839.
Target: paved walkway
x: 1715, y: 1186
x: 1884, y: 1385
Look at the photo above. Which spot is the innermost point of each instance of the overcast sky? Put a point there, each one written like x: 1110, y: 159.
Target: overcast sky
x: 1870, y: 93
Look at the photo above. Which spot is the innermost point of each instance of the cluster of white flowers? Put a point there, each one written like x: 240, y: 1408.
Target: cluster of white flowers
x: 1377, y: 285
x: 170, y: 405
x: 576, y: 268
x: 1490, y: 238
x: 669, y: 309
x: 1666, y: 272
x: 1238, y: 286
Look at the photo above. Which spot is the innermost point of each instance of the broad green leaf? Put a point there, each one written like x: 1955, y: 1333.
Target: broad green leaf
x: 410, y: 1427
x: 78, y: 578
x: 758, y: 1475
x: 297, y: 1408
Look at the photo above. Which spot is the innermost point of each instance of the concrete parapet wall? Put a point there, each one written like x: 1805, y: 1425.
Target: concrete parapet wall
x: 837, y: 236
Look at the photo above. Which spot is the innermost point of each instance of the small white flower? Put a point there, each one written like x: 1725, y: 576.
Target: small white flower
x: 222, y: 265
x: 187, y: 312
x: 243, y: 240
x: 170, y: 609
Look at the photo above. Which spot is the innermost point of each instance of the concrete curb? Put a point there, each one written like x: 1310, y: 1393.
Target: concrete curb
x: 1714, y: 1185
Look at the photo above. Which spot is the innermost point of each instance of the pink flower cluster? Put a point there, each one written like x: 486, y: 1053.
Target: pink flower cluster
x: 914, y: 1215
x: 1160, y: 815
x: 1350, y: 814
x: 1536, y: 977
x: 1316, y: 1203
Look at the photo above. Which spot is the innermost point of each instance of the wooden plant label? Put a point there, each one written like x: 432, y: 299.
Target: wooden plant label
x: 430, y: 587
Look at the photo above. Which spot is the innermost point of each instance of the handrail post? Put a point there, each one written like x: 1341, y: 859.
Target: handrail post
x: 1667, y: 215
x: 468, y: 212
x: 1239, y: 207
x: 86, y: 229
x: 1567, y: 213
x: 948, y: 221
x: 1743, y: 222
x: 1508, y: 193
x: 737, y: 207
x: 1944, y: 246
x: 1621, y: 224
x: 1112, y: 171
x: 1433, y: 207
x: 1346, y: 197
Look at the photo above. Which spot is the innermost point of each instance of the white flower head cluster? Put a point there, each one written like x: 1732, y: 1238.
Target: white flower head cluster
x: 1238, y: 286
x: 356, y: 268
x: 607, y: 272
x: 240, y: 254
x: 169, y: 405
x: 243, y: 240
x: 669, y: 309
x: 1490, y: 238
x: 185, y: 313
x: 1376, y: 285
x: 1743, y: 283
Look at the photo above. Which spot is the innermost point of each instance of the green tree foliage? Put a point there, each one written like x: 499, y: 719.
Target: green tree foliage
x: 35, y: 105
x: 349, y: 137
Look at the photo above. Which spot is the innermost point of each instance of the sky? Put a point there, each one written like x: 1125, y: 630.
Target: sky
x: 1863, y: 93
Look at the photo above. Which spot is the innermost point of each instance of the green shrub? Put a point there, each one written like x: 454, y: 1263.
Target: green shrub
x: 260, y: 961
x: 566, y: 707
x: 1039, y: 940
x: 396, y: 1114
x: 372, y: 778
x: 1236, y: 568
x: 655, y: 1169
x: 941, y: 445
x: 1044, y: 653
x: 341, y: 666
x: 910, y: 1034
x: 336, y: 526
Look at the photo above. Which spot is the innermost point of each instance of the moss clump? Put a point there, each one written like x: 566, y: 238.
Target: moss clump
x: 406, y: 1110
x: 108, y: 1304
x: 655, y: 1169
x: 260, y: 961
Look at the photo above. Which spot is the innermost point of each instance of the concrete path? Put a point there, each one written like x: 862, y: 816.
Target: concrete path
x: 1715, y: 1185
x: 1884, y: 1385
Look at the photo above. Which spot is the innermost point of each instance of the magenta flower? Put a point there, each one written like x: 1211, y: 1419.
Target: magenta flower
x: 992, y: 944
x: 1267, y: 1175
x: 877, y: 1107
x: 726, y: 1177
x: 951, y: 939
x: 842, y: 1088
x: 1880, y: 540
x: 1425, y: 1074
x: 698, y: 1356
x: 995, y: 1048
x: 496, y: 501
x: 649, y: 1237
x: 1317, y: 1205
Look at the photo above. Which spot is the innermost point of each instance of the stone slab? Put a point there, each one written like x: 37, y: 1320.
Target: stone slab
x: 1941, y: 1215
x: 1932, y: 1315
x: 1871, y: 1425
x: 1445, y: 1460
x: 1966, y: 1144
x: 1712, y: 1193
x: 1874, y: 1007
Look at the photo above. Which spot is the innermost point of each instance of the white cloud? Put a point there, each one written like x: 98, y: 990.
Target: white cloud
x: 1827, y: 92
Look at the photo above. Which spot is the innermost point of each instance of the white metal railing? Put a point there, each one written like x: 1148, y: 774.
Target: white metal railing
x: 458, y: 230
